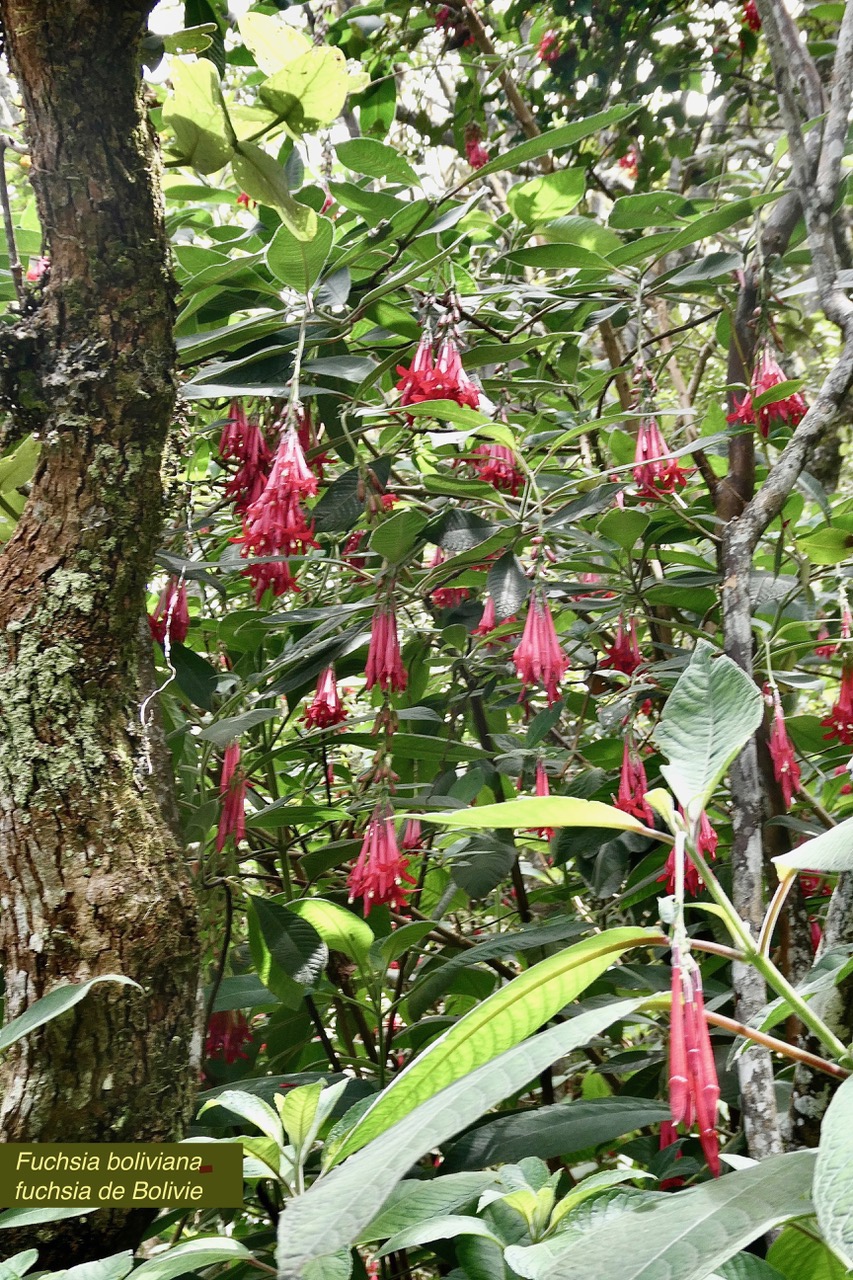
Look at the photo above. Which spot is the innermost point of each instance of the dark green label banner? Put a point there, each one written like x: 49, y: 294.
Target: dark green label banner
x: 61, y: 1175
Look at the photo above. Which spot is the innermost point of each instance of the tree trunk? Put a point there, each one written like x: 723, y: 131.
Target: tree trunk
x: 92, y: 874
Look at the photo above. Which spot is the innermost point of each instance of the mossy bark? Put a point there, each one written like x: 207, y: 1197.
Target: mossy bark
x: 92, y: 874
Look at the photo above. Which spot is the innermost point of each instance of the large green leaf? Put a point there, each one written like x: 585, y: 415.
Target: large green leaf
x: 17, y: 468
x: 114, y: 1268
x: 297, y: 262
x: 502, y: 1020
x: 288, y: 952
x: 349, y: 1197
x: 264, y: 179
x: 830, y: 851
x: 376, y: 160
x: 799, y: 1255
x: 272, y: 42
x: 748, y: 1266
x: 541, y: 811
x: 16, y: 1267
x: 548, y: 197
x: 56, y: 1002
x: 679, y: 1237
x: 196, y: 115
x: 565, y: 135
x: 833, y: 1178
x: 340, y: 929
x: 711, y: 713
x: 309, y: 91
x: 414, y: 1202
x: 182, y: 1259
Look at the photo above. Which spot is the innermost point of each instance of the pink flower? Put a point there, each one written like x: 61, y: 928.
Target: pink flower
x: 381, y: 870
x: 824, y: 647
x: 449, y: 365
x: 275, y: 524
x: 243, y: 441
x: 384, y: 662
x: 630, y: 162
x: 543, y: 789
x: 171, y: 616
x: 767, y: 375
x: 538, y: 657
x: 548, y: 50
x: 442, y: 378
x: 785, y: 766
x: 633, y: 785
x: 475, y: 153
x: 656, y: 472
x: 326, y: 709
x: 496, y: 464
x: 412, y: 835
x: 706, y: 843
x: 307, y: 437
x: 693, y: 1085
x: 226, y: 1034
x: 37, y: 268
x: 232, y: 794
x: 488, y: 622
x: 815, y: 933
x: 751, y: 17
x: 624, y: 653
x: 839, y: 722
x: 446, y: 597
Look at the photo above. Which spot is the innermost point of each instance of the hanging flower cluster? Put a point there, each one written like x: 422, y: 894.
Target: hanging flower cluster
x: 633, y: 785
x: 839, y: 722
x: 538, y: 657
x: 446, y: 597
x: 656, y: 471
x: 751, y: 17
x: 475, y: 153
x: 785, y: 766
x: 243, y: 442
x: 275, y: 524
x: 624, y: 653
x: 170, y: 619
x: 706, y: 843
x: 381, y: 869
x: 326, y: 708
x: 232, y: 796
x: 437, y: 376
x: 497, y: 465
x: 543, y: 789
x: 384, y: 661
x: 790, y: 410
x: 227, y: 1032
x: 694, y: 1089
x: 548, y: 49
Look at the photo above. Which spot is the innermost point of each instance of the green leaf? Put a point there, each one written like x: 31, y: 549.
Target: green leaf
x: 678, y: 1237
x: 309, y: 92
x: 830, y: 851
x: 181, y: 1259
x: 547, y: 197
x: 297, y: 262
x: 221, y: 732
x: 414, y: 1202
x: 34, y: 1217
x: 55, y: 1003
x: 196, y: 115
x: 829, y: 543
x: 18, y: 468
x: 440, y: 1228
x: 340, y: 506
x: 273, y: 43
x: 651, y: 209
x: 565, y: 135
x: 711, y: 713
x: 264, y: 179
x: 577, y: 229
x: 541, y: 811
x: 288, y: 953
x: 298, y: 1109
x: 348, y: 1198
x: 251, y: 1108
x: 395, y: 537
x: 16, y: 1267
x: 711, y: 224
x: 799, y: 1255
x: 196, y: 677
x: 747, y: 1266
x: 481, y: 863
x: 502, y: 1020
x: 557, y: 1130
x: 833, y: 1183
x: 559, y: 257
x: 508, y: 586
x: 340, y: 929
x: 376, y: 160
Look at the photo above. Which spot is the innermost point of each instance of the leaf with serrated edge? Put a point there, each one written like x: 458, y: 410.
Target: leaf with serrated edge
x: 346, y: 1199
x: 833, y: 1184
x: 183, y: 1258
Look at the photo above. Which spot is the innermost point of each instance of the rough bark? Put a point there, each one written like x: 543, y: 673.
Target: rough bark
x: 92, y: 876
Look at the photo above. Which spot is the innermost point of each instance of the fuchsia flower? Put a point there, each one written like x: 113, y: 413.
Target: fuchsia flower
x: 633, y: 785
x: 171, y: 616
x: 785, y: 766
x: 326, y: 709
x: 226, y: 1034
x: 548, y: 49
x: 307, y: 437
x: 543, y: 789
x: 766, y: 375
x: 706, y: 843
x: 412, y: 835
x: 446, y: 597
x: 36, y: 268
x: 496, y: 464
x: 232, y: 794
x: 630, y: 163
x: 476, y: 153
x: 384, y: 662
x: 243, y: 441
x: 488, y: 622
x: 538, y: 657
x: 693, y: 1085
x: 275, y: 524
x: 381, y: 870
x: 751, y: 17
x: 656, y: 472
x: 815, y: 933
x: 839, y: 722
x: 624, y: 653
x: 436, y: 378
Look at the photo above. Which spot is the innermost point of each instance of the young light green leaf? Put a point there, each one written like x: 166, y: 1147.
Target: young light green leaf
x: 341, y: 930
x: 297, y: 262
x: 273, y: 43
x: 263, y: 178
x: 16, y: 1267
x: 833, y: 1184
x: 376, y: 160
x: 548, y: 197
x: 298, y: 1108
x: 309, y: 91
x: 348, y: 1198
x: 543, y: 811
x: 798, y: 1254
x: 447, y: 1228
x: 181, y: 1259
x: 830, y: 851
x: 56, y: 1002
x: 196, y: 115
x: 502, y: 1020
x: 252, y: 1108
x: 711, y: 713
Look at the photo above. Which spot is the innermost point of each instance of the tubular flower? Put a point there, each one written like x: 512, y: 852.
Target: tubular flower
x: 839, y: 722
x: 384, y: 663
x: 459, y: 386
x: 475, y: 153
x: 630, y: 163
x: 226, y: 1034
x: 446, y: 597
x: 542, y: 789
x: 170, y: 618
x: 656, y: 472
x: 751, y: 17
x: 326, y: 709
x: 419, y: 382
x: 624, y: 653
x: 693, y: 1085
x: 706, y: 843
x: 769, y: 374
x: 275, y: 524
x: 412, y: 835
x: 232, y: 795
x: 439, y: 378
x: 243, y: 441
x: 496, y: 464
x: 548, y: 49
x: 488, y: 622
x: 633, y: 786
x: 538, y: 656
x: 785, y: 766
x: 37, y: 268
x: 380, y: 870
x: 307, y: 437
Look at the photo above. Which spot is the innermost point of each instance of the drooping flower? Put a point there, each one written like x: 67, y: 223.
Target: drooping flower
x: 543, y: 789
x: 630, y: 163
x: 656, y: 472
x: 785, y: 766
x: 459, y: 386
x: 243, y: 441
x: 624, y: 653
x: 694, y: 1089
x: 275, y: 524
x: 326, y: 708
x: 381, y: 869
x: 768, y: 374
x: 706, y: 843
x: 538, y: 657
x: 307, y: 436
x: 446, y: 597
x: 815, y: 933
x: 419, y: 381
x: 384, y: 662
x: 633, y: 785
x: 825, y: 648
x: 813, y: 883
x: 170, y: 619
x: 436, y: 378
x: 475, y: 153
x: 37, y: 268
x: 232, y: 795
x: 227, y: 1032
x: 488, y: 622
x: 497, y: 465
x: 548, y: 49
x: 751, y: 17
x: 413, y: 837
x: 839, y: 722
